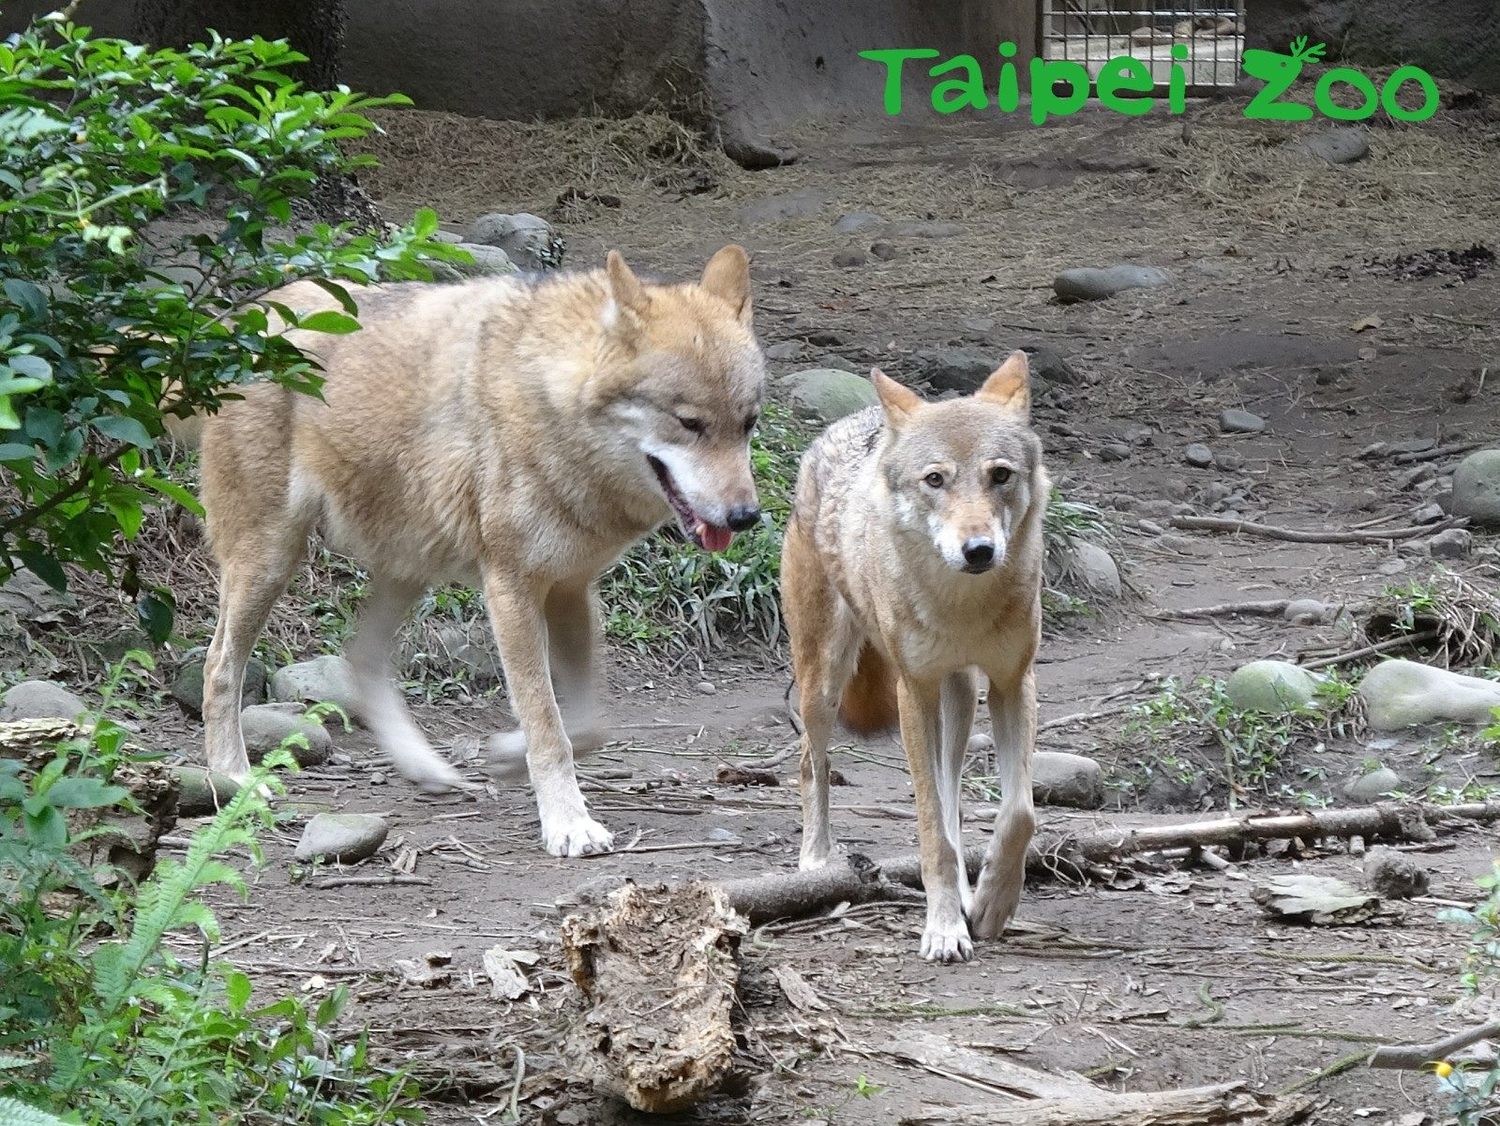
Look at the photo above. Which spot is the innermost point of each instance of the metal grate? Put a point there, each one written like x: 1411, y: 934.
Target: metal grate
x: 1092, y: 32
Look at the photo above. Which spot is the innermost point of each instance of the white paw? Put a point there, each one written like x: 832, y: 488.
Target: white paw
x: 578, y: 835
x: 505, y: 756
x: 434, y: 777
x: 995, y: 901
x: 812, y: 860
x: 947, y: 942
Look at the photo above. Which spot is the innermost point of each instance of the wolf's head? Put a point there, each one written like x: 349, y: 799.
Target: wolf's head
x: 679, y: 377
x: 964, y: 474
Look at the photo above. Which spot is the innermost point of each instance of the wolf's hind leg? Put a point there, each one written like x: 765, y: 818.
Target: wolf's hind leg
x: 381, y: 705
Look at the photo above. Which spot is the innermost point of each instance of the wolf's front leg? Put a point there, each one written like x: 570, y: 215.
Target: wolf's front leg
x: 517, y: 615
x: 1013, y: 710
x: 946, y: 937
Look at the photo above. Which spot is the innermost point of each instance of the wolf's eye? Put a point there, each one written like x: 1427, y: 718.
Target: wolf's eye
x: 751, y: 422
x: 691, y: 425
x: 934, y: 479
x: 1000, y: 474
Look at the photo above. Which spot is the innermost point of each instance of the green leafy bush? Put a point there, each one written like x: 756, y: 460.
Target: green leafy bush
x: 1475, y: 1090
x: 146, y: 210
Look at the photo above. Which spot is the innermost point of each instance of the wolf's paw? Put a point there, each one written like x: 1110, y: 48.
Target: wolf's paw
x: 435, y: 777
x: 578, y: 835
x: 995, y: 901
x: 947, y: 943
x: 813, y: 860
x: 505, y: 756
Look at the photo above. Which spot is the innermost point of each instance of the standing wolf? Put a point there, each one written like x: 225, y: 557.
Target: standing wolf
x: 914, y: 558
x: 513, y: 434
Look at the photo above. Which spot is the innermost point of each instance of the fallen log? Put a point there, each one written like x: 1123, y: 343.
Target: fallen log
x: 1224, y: 1105
x: 1300, y: 535
x: 1421, y: 1057
x: 659, y: 968
x: 780, y: 895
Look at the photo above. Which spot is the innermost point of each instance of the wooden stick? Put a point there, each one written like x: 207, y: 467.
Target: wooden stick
x: 1271, y: 608
x: 780, y: 895
x: 1194, y: 1106
x: 1419, y: 1057
x: 368, y: 881
x: 1370, y: 650
x: 1298, y: 535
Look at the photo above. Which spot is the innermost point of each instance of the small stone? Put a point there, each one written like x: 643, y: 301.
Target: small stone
x: 1048, y: 366
x: 1151, y: 527
x: 1229, y: 460
x: 828, y: 394
x: 1114, y: 451
x: 756, y: 153
x: 40, y: 699
x: 1454, y: 543
x: 1476, y: 488
x: 267, y: 726
x: 856, y: 221
x: 1273, y: 687
x: 1094, y: 568
x: 1088, y: 283
x: 849, y: 259
x: 1372, y: 451
x: 885, y: 251
x: 187, y: 684
x: 980, y: 745
x: 977, y: 329
x: 345, y: 838
x: 321, y: 680
x: 528, y: 240
x: 1373, y: 785
x: 1393, y: 874
x: 201, y: 792
x: 1305, y: 611
x: 1059, y: 778
x: 1399, y: 694
x: 487, y: 261
x: 1428, y: 514
x: 786, y: 350
x: 1236, y: 421
x: 1138, y: 435
x: 1340, y: 145
x: 1199, y: 456
x: 1415, y: 476
x: 957, y: 369
x: 377, y: 778
x: 706, y: 687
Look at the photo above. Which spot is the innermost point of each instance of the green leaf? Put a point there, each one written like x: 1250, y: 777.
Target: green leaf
x: 172, y: 489
x: 155, y: 610
x: 44, y: 566
x: 28, y: 296
x: 16, y: 1113
x: 15, y: 451
x: 124, y: 429
x: 328, y: 321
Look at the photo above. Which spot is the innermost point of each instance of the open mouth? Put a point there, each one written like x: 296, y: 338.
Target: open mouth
x: 710, y: 537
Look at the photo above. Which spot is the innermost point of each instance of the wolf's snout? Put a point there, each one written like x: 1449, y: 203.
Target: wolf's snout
x: 742, y: 517
x: 979, y: 554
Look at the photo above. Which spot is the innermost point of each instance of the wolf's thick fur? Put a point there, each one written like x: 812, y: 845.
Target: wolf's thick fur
x: 913, y: 561
x: 514, y: 434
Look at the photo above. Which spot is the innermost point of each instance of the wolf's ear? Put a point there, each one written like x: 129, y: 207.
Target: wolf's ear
x: 627, y: 297
x: 727, y: 277
x: 900, y: 402
x: 1009, y: 385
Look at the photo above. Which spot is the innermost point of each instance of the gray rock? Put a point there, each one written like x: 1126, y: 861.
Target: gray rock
x: 1393, y: 874
x: 827, y: 394
x: 805, y: 203
x: 924, y: 228
x: 267, y: 726
x: 1114, y: 451
x: 30, y: 599
x: 40, y: 699
x: 187, y: 685
x: 1373, y: 784
x: 1454, y: 543
x: 1058, y: 778
x: 346, y: 838
x: 1428, y: 514
x: 1090, y: 283
x: 1400, y: 694
x: 1274, y: 687
x: 201, y: 792
x: 957, y: 369
x: 1305, y: 611
x: 856, y: 221
x: 1199, y: 456
x: 840, y: 363
x: 756, y: 153
x: 323, y: 679
x: 1236, y: 421
x: 1339, y: 145
x: 488, y: 261
x: 1476, y: 488
x: 1415, y: 476
x: 885, y: 251
x: 785, y: 350
x: 1047, y: 366
x: 528, y: 240
x: 980, y: 746
x: 706, y: 687
x: 849, y: 259
x: 466, y: 652
x: 1228, y: 460
x: 1094, y: 568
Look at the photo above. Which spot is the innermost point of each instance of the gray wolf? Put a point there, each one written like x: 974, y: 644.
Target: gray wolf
x: 912, y: 562
x: 513, y: 434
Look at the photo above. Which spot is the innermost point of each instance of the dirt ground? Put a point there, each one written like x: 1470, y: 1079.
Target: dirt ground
x: 1168, y: 975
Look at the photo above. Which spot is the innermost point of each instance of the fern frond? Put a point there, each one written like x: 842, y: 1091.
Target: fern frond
x: 16, y: 1113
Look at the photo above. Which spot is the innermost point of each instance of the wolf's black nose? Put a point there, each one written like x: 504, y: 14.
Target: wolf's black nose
x: 979, y: 552
x: 743, y: 516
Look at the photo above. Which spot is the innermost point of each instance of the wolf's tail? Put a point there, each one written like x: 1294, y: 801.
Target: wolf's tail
x: 869, y: 703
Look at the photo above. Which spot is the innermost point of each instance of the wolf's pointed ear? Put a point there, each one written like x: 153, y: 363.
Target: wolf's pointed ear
x: 727, y: 277
x: 626, y: 294
x: 1009, y: 385
x: 900, y: 402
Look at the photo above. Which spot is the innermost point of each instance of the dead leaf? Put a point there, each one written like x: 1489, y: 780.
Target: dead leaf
x: 405, y: 861
x: 1366, y: 323
x: 1319, y: 900
x: 798, y: 992
x: 505, y: 969
x: 433, y: 970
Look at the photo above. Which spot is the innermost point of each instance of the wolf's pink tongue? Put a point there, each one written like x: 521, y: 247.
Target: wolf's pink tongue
x: 714, y: 538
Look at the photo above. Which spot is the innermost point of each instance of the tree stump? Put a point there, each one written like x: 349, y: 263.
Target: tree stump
x: 660, y: 969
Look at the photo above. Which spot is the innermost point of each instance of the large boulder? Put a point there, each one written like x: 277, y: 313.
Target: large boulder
x: 267, y: 726
x: 1059, y: 778
x: 528, y: 240
x: 187, y: 684
x: 1273, y: 687
x: 321, y: 680
x: 345, y: 838
x: 40, y: 699
x: 1476, y: 488
x: 1399, y: 694
x: 827, y: 394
